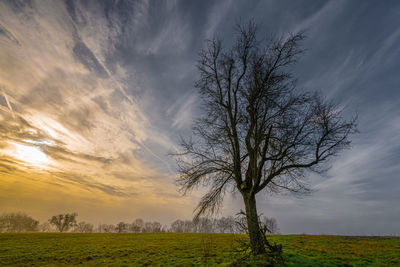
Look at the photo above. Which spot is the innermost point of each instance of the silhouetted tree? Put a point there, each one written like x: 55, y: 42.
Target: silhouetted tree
x: 156, y: 227
x: 137, y: 226
x: 270, y: 225
x: 83, y: 227
x: 17, y: 222
x: 45, y: 227
x: 257, y: 133
x: 204, y: 225
x: 107, y: 228
x: 241, y: 223
x: 177, y: 226
x: 63, y: 222
x: 164, y: 229
x: 225, y: 224
x: 121, y: 227
x: 188, y: 226
x: 148, y: 227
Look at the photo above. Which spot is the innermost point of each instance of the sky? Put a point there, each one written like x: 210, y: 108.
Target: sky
x: 94, y: 95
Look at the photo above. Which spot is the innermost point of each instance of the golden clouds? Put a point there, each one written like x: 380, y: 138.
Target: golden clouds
x: 68, y: 126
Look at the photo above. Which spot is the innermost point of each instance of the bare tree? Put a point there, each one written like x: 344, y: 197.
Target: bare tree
x: 148, y: 227
x: 204, y: 225
x: 257, y: 133
x: 241, y: 223
x: 135, y: 228
x: 106, y: 228
x: 63, y: 222
x: 83, y: 227
x: 156, y: 227
x: 17, y: 222
x: 121, y: 227
x: 188, y: 226
x: 164, y: 229
x: 138, y: 225
x: 45, y: 227
x: 225, y: 224
x: 177, y: 226
x: 270, y: 224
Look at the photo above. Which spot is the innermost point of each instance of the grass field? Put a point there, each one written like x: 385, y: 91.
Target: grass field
x: 168, y: 249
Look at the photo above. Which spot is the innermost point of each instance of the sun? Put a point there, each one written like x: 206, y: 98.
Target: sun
x: 31, y: 155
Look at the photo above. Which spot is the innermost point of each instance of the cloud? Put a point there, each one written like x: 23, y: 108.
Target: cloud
x: 7, y: 34
x: 70, y: 103
x: 320, y: 17
x: 183, y: 111
x: 216, y: 16
x: 103, y: 89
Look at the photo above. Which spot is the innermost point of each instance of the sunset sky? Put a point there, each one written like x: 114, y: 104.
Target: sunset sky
x: 94, y: 95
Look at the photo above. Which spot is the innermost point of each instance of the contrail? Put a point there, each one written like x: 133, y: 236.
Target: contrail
x: 128, y: 97
x: 8, y: 104
x: 132, y: 101
x: 159, y: 158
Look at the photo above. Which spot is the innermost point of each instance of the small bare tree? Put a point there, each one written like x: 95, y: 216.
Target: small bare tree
x: 106, y: 228
x: 83, y: 227
x: 45, y: 227
x: 270, y: 225
x: 139, y: 224
x: 63, y: 222
x: 121, y: 227
x: 157, y: 227
x: 136, y: 226
x: 177, y: 226
x: 257, y: 133
x: 188, y: 226
x: 225, y: 224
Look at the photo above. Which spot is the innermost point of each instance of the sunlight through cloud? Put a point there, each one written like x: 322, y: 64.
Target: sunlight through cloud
x: 31, y: 155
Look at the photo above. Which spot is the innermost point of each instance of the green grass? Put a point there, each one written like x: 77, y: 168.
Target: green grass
x: 51, y: 249
x: 306, y: 250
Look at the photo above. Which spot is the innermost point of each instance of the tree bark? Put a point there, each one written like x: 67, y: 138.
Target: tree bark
x: 257, y: 243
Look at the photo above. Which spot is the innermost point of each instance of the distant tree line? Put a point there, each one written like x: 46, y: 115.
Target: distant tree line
x: 20, y: 222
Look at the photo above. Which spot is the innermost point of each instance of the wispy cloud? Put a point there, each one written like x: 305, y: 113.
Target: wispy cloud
x: 96, y: 92
x: 65, y: 101
x: 183, y: 111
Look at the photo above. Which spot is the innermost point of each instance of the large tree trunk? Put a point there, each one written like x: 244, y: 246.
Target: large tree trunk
x: 257, y: 243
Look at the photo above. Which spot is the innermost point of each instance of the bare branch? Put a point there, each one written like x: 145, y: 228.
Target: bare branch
x: 257, y: 131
